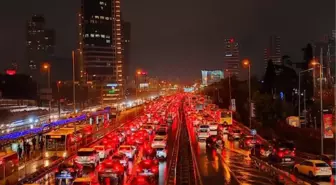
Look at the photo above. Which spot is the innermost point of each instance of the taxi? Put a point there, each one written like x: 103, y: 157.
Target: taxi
x: 313, y: 168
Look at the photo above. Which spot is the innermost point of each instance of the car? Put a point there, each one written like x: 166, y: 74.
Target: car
x: 148, y: 128
x: 68, y: 171
x: 111, y: 169
x: 213, y: 128
x: 161, y: 133
x: 120, y: 157
x: 133, y: 127
x: 103, y: 151
x: 329, y: 159
x: 143, y: 180
x: 313, y: 168
x: 247, y: 142
x: 84, y: 181
x: 214, y: 142
x: 235, y: 134
x: 116, y: 135
x: 261, y: 151
x: 87, y: 156
x: 203, y: 132
x: 109, y: 144
x: 128, y: 150
x: 148, y: 167
x: 283, y: 152
x: 159, y: 142
x: 161, y: 152
x: 148, y: 153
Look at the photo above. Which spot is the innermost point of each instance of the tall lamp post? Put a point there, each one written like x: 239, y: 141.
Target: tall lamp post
x: 247, y: 64
x: 73, y: 82
x: 320, y: 64
x: 46, y: 67
x: 299, y: 106
x: 59, y: 98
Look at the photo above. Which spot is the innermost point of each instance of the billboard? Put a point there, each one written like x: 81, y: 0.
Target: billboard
x: 209, y: 77
x: 328, y: 126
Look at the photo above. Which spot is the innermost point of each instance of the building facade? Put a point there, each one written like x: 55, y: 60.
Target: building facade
x: 40, y: 45
x: 100, y: 47
x: 273, y: 51
x: 126, y: 42
x: 231, y: 57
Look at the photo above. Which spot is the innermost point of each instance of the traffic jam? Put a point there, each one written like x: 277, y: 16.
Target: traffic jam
x: 131, y: 154
x: 216, y: 129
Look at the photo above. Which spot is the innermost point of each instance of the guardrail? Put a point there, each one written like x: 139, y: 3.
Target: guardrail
x: 171, y: 180
x: 299, y: 154
x: 197, y: 177
x: 280, y: 176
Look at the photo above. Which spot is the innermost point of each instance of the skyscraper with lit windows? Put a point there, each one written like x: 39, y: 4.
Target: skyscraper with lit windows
x: 100, y: 47
x: 231, y: 58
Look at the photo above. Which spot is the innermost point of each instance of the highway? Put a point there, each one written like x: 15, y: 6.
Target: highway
x: 132, y: 165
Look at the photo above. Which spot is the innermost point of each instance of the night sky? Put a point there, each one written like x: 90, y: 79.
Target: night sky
x: 177, y: 38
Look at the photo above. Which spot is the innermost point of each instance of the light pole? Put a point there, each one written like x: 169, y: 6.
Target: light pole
x: 315, y: 63
x: 46, y: 66
x: 247, y: 63
x: 73, y: 82
x: 59, y: 98
x: 299, y: 106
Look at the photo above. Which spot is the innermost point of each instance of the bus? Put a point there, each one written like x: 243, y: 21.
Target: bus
x: 226, y: 117
x: 62, y: 142
x: 9, y: 165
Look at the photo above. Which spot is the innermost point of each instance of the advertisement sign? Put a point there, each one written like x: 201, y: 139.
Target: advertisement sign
x: 327, y: 120
x: 233, y: 104
x: 209, y: 77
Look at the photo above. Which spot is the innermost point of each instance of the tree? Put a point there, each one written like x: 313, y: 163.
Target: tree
x: 269, y: 77
x: 264, y: 109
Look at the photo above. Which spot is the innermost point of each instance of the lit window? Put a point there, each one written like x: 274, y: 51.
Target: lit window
x: 107, y: 36
x: 102, y: 17
x: 97, y: 17
x: 102, y: 36
x: 101, y: 3
x: 108, y: 41
x: 107, y: 18
x: 86, y: 35
x: 91, y: 35
x: 97, y: 35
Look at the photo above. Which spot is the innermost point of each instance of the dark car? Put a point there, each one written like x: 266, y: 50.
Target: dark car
x: 67, y: 172
x: 261, y: 151
x: 214, y: 141
x: 283, y: 152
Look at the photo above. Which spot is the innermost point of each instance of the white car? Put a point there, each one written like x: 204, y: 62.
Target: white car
x: 161, y: 133
x: 313, y: 168
x: 203, y: 132
x: 87, y: 156
x: 128, y: 150
x: 213, y: 128
x: 161, y: 153
x: 159, y: 142
x: 103, y: 152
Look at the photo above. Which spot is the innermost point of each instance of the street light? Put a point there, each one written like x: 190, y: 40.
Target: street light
x: 59, y: 98
x: 247, y: 64
x: 299, y: 106
x: 320, y: 64
x: 46, y: 67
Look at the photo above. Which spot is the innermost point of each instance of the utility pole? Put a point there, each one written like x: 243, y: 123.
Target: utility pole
x: 321, y: 99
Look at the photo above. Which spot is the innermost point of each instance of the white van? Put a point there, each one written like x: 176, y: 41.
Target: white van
x: 203, y: 132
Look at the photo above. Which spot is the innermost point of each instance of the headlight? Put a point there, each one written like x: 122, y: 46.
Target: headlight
x: 64, y: 154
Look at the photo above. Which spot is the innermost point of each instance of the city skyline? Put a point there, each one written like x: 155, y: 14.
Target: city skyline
x: 149, y: 45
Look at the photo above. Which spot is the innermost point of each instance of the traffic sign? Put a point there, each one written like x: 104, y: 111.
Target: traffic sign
x: 253, y: 132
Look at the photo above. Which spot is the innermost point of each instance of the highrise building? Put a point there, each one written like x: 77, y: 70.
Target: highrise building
x: 100, y: 47
x: 40, y: 44
x: 231, y: 57
x: 126, y: 42
x: 272, y: 52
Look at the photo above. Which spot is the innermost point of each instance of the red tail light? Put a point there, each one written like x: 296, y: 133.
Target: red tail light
x: 154, y: 169
x: 248, y: 141
x: 214, y: 139
x: 101, y: 168
x: 138, y: 169
x: 280, y: 154
x: 262, y: 150
x: 91, y: 158
x: 293, y: 153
